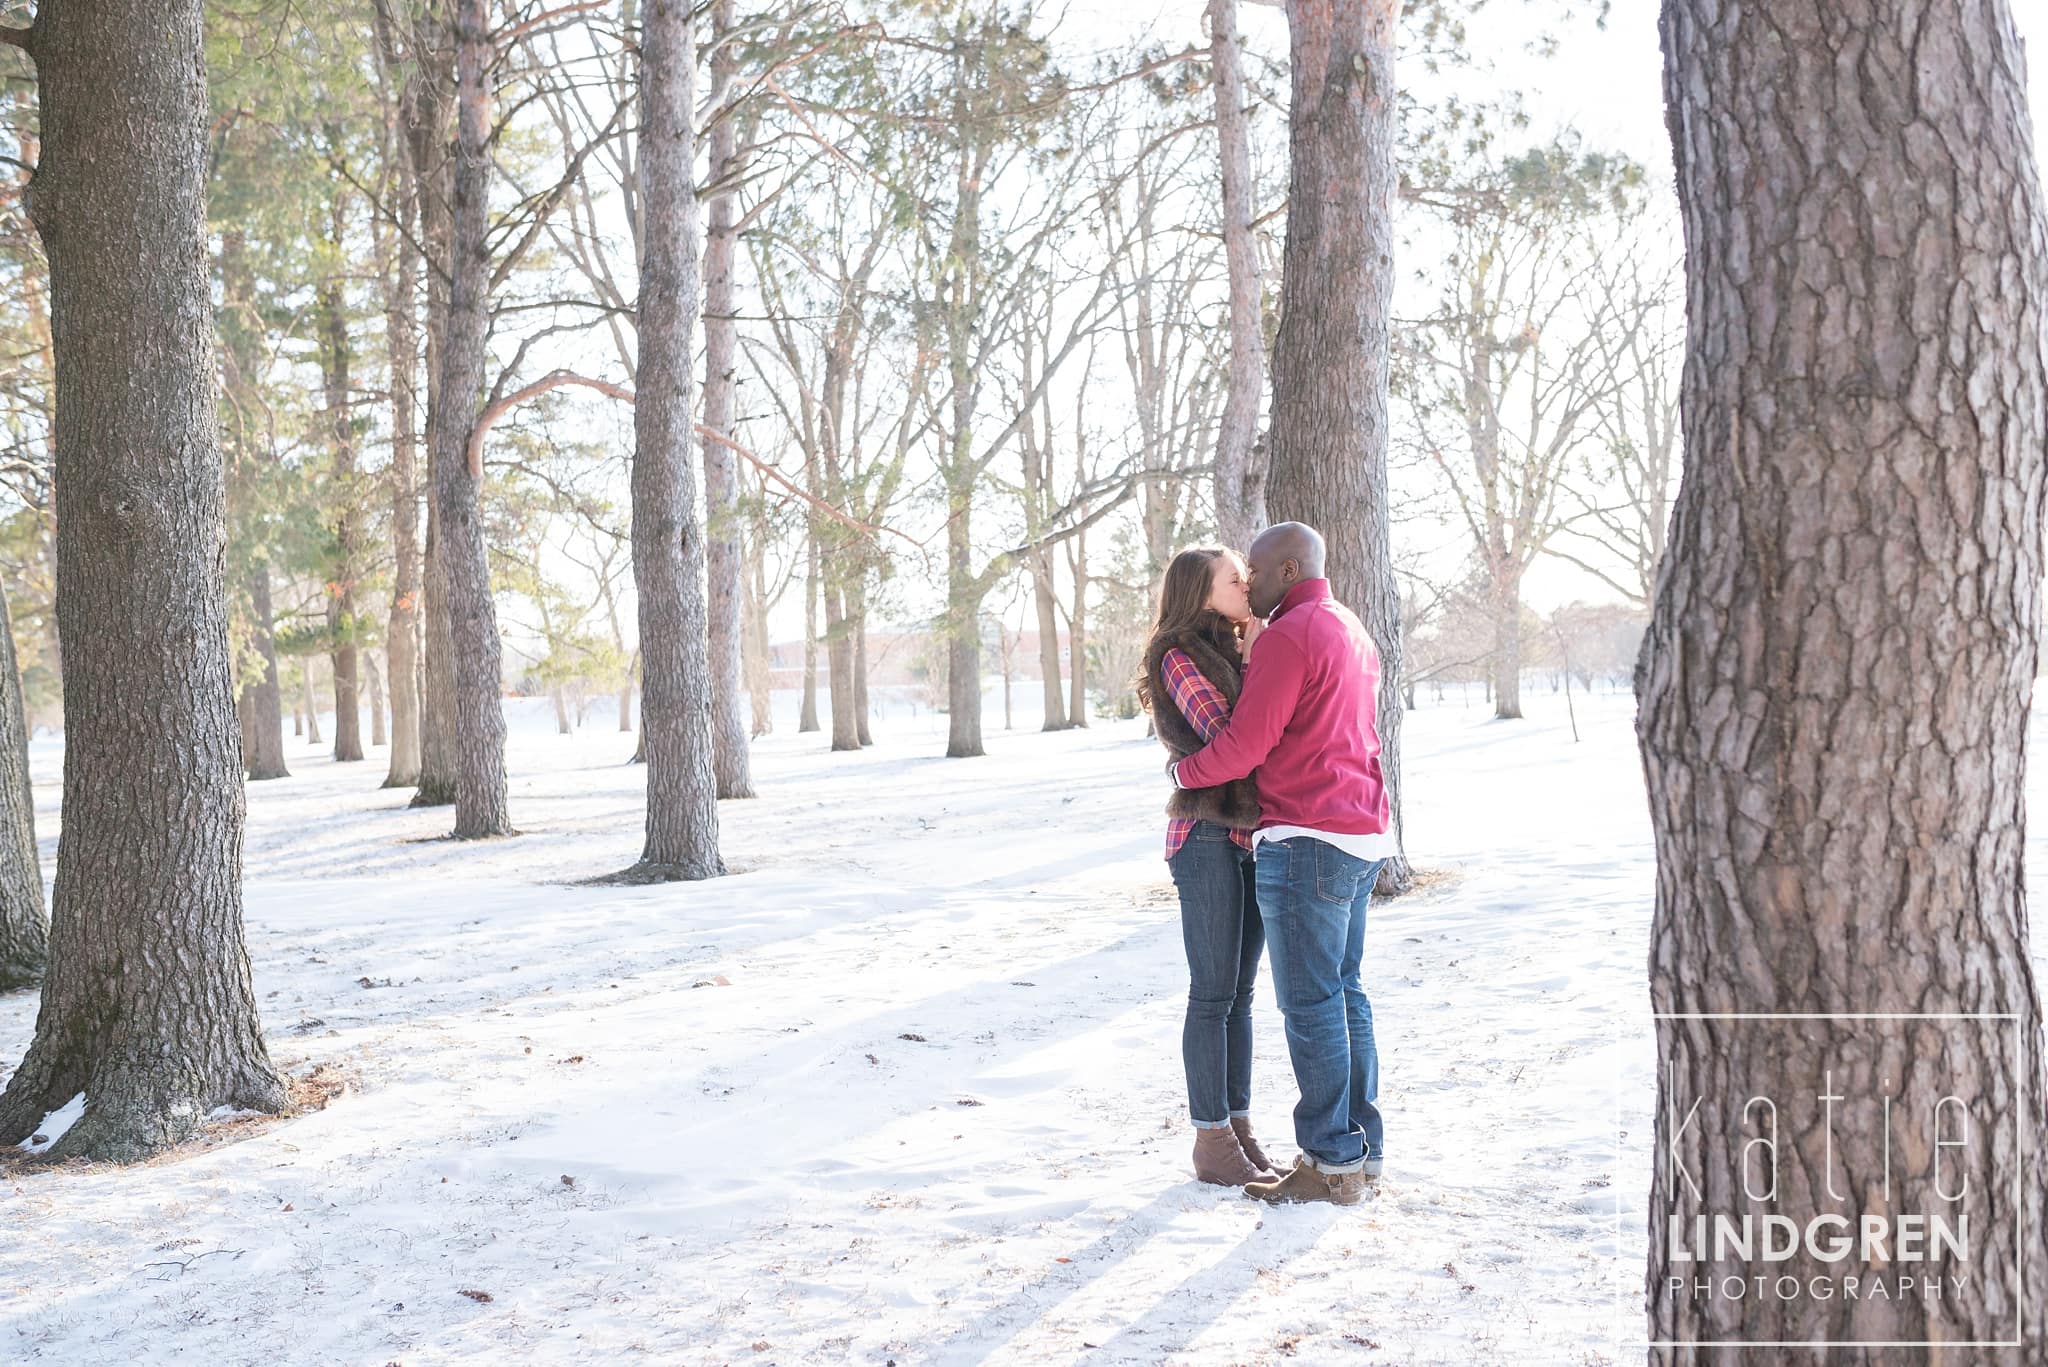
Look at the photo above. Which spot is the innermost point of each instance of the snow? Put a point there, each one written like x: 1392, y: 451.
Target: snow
x: 906, y: 1086
x: 54, y: 1125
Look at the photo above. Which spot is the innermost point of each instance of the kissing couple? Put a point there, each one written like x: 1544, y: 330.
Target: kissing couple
x: 1264, y: 689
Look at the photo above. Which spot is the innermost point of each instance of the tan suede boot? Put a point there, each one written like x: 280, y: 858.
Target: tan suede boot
x: 1219, y: 1159
x: 1243, y: 1125
x: 1309, y: 1183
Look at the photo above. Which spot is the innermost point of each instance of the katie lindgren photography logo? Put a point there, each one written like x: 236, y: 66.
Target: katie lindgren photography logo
x: 1894, y: 1210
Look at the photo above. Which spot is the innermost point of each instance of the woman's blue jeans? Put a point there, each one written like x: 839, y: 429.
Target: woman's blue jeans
x: 1221, y: 929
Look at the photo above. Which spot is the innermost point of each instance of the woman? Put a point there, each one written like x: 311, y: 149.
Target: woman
x: 1191, y: 678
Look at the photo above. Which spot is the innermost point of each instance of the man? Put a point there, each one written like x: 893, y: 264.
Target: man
x: 1307, y: 721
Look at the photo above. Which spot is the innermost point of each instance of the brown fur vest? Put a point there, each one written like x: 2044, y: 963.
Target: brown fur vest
x: 1234, y: 804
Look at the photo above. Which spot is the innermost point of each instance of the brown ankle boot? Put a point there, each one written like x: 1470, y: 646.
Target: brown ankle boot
x: 1309, y: 1183
x: 1243, y: 1125
x: 1220, y: 1160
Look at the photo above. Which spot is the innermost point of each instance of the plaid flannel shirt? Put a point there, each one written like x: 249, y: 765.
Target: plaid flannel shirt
x: 1206, y: 709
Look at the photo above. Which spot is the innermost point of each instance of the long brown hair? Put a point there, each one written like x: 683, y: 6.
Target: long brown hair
x: 1184, y: 612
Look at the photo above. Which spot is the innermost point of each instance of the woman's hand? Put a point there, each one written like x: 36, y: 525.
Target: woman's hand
x: 1252, y: 628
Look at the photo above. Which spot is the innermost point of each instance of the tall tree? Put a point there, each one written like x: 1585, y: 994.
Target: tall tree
x: 480, y: 785
x: 417, y: 36
x: 721, y: 377
x: 1835, y: 684
x: 668, y: 545
x: 344, y: 550
x: 1330, y: 358
x: 401, y: 338
x: 1240, y: 482
x: 147, y: 1007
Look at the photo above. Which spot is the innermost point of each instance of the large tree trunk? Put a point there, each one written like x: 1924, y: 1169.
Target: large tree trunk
x: 147, y: 1007
x: 480, y: 789
x: 668, y: 545
x: 341, y: 589
x: 1330, y: 359
x: 1835, y: 684
x: 402, y: 644
x: 721, y: 474
x: 24, y: 925
x: 266, y: 695
x: 1240, y: 473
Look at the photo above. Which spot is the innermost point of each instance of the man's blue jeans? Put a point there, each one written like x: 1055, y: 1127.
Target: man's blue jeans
x: 1312, y: 897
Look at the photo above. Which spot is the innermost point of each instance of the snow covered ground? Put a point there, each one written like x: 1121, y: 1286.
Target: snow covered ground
x: 904, y: 1088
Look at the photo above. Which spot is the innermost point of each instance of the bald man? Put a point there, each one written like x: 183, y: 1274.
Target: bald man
x: 1306, y: 724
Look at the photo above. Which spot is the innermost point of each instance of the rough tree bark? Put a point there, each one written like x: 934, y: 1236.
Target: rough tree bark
x: 480, y: 788
x: 721, y: 376
x: 1330, y: 359
x: 1835, y: 684
x: 24, y: 924
x: 1240, y: 482
x: 147, y: 1007
x: 668, y: 545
